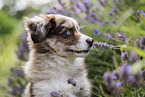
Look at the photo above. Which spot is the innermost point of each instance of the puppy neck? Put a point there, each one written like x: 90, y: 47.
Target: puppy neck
x: 49, y: 57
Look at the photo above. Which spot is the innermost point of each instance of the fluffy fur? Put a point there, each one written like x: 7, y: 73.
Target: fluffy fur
x: 56, y: 51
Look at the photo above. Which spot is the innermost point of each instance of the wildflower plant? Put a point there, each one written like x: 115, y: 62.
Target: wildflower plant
x: 130, y: 81
x: 17, y: 80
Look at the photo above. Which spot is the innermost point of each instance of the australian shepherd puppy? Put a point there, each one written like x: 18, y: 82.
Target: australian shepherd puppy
x: 56, y: 50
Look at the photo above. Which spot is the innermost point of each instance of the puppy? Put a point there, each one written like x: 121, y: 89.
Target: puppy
x: 56, y: 50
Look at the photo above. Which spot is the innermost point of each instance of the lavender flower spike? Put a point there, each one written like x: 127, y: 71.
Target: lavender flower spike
x: 121, y: 36
x: 138, y: 13
x: 130, y: 79
x: 108, y: 36
x: 96, y: 32
x: 133, y: 57
x: 118, y: 84
x: 142, y: 42
x: 71, y: 81
x: 137, y: 43
x: 100, y: 44
x: 114, y: 76
x: 143, y: 74
x: 55, y: 94
x: 108, y: 78
x: 124, y: 56
x: 143, y: 13
x: 125, y: 72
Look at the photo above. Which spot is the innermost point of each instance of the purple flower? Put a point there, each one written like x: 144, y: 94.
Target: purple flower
x: 143, y: 74
x: 135, y: 84
x: 143, y: 41
x: 100, y: 44
x: 102, y: 24
x: 106, y: 45
x: 137, y: 43
x: 118, y: 84
x: 71, y: 81
x: 92, y: 20
x: 55, y: 94
x: 73, y: 1
x: 121, y: 36
x: 10, y: 81
x: 88, y: 5
x: 108, y: 78
x: 85, y: 1
x: 116, y: 10
x: 78, y: 5
x: 136, y: 80
x: 95, y: 44
x: 19, y: 73
x: 82, y: 88
x: 107, y: 21
x: 81, y: 7
x: 130, y: 79
x: 93, y: 14
x: 114, y: 21
x: 96, y: 32
x: 112, y: 47
x: 124, y: 71
x: 111, y: 14
x: 124, y: 56
x: 136, y: 77
x: 137, y: 13
x: 108, y: 36
x: 102, y: 2
x: 133, y: 57
x: 114, y: 76
x: 13, y: 92
x: 143, y: 13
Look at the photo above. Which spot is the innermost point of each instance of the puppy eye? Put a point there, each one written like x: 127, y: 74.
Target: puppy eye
x: 68, y: 32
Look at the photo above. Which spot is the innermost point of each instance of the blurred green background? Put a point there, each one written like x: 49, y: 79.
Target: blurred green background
x: 99, y: 60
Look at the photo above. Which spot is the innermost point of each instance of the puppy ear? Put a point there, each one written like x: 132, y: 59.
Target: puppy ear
x: 36, y: 30
x: 27, y: 23
x: 40, y: 30
x: 50, y: 25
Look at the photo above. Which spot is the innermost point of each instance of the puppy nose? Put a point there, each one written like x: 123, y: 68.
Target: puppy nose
x: 90, y: 41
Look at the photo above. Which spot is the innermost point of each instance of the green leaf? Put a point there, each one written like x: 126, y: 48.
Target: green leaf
x: 137, y: 67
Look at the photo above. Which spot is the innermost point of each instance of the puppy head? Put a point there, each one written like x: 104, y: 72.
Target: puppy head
x: 57, y: 34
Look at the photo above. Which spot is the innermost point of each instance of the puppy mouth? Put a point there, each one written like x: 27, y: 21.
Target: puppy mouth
x: 78, y: 51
